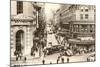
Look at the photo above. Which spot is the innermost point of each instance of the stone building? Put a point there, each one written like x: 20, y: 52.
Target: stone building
x: 78, y: 20
x: 77, y: 25
x: 24, y: 23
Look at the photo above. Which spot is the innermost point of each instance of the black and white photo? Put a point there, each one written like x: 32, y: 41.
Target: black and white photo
x: 51, y: 33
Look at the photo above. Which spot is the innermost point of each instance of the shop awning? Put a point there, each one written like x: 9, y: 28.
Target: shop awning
x: 86, y: 38
x: 76, y: 41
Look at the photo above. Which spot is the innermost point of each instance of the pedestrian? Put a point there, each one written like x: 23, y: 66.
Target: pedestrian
x: 67, y: 60
x: 62, y: 60
x: 43, y: 61
x: 44, y: 52
x: 16, y: 58
x: 57, y: 61
x: 88, y: 60
x: 25, y: 59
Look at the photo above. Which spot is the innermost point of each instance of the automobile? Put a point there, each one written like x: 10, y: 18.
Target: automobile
x: 53, y: 49
x: 91, y: 57
x: 67, y: 52
x: 58, y: 48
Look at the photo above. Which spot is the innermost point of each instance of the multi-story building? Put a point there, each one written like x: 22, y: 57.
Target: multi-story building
x: 24, y: 23
x: 77, y: 24
x: 79, y: 20
x: 61, y: 20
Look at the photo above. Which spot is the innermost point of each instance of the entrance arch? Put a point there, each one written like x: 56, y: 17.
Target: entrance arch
x: 19, y: 40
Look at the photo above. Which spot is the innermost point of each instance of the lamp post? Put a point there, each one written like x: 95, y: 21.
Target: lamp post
x: 35, y: 5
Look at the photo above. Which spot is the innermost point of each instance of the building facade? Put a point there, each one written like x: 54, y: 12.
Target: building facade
x: 77, y: 25
x: 78, y: 20
x: 24, y: 23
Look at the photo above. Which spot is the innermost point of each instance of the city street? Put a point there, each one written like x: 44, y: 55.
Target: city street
x: 52, y: 59
x: 60, y: 34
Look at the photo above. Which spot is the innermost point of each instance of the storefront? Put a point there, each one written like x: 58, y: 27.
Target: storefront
x: 87, y: 45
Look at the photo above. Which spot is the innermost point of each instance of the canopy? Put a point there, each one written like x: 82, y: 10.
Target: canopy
x: 76, y: 41
x: 86, y: 38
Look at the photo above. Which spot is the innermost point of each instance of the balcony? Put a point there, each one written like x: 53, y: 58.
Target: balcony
x: 21, y: 19
x: 83, y: 22
x: 82, y: 42
x: 21, y: 23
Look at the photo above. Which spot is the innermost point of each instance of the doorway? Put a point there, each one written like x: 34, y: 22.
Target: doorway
x: 19, y: 40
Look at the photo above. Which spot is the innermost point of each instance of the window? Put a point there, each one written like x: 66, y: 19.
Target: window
x: 81, y: 16
x: 81, y: 10
x: 86, y: 10
x: 19, y: 7
x: 86, y: 16
x: 75, y: 28
x: 84, y: 28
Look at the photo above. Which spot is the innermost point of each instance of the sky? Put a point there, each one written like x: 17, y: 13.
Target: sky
x: 49, y: 8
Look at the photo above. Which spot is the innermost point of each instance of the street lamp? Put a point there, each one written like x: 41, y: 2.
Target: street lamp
x: 35, y: 5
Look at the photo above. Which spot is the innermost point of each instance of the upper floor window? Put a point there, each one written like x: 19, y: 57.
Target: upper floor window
x: 19, y: 7
x: 86, y: 10
x: 81, y: 10
x: 86, y: 16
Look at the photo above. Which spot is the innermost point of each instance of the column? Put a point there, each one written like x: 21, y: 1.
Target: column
x: 37, y: 19
x: 12, y: 44
x: 28, y: 41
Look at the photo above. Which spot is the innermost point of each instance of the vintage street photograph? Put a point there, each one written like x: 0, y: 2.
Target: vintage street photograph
x: 51, y: 33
